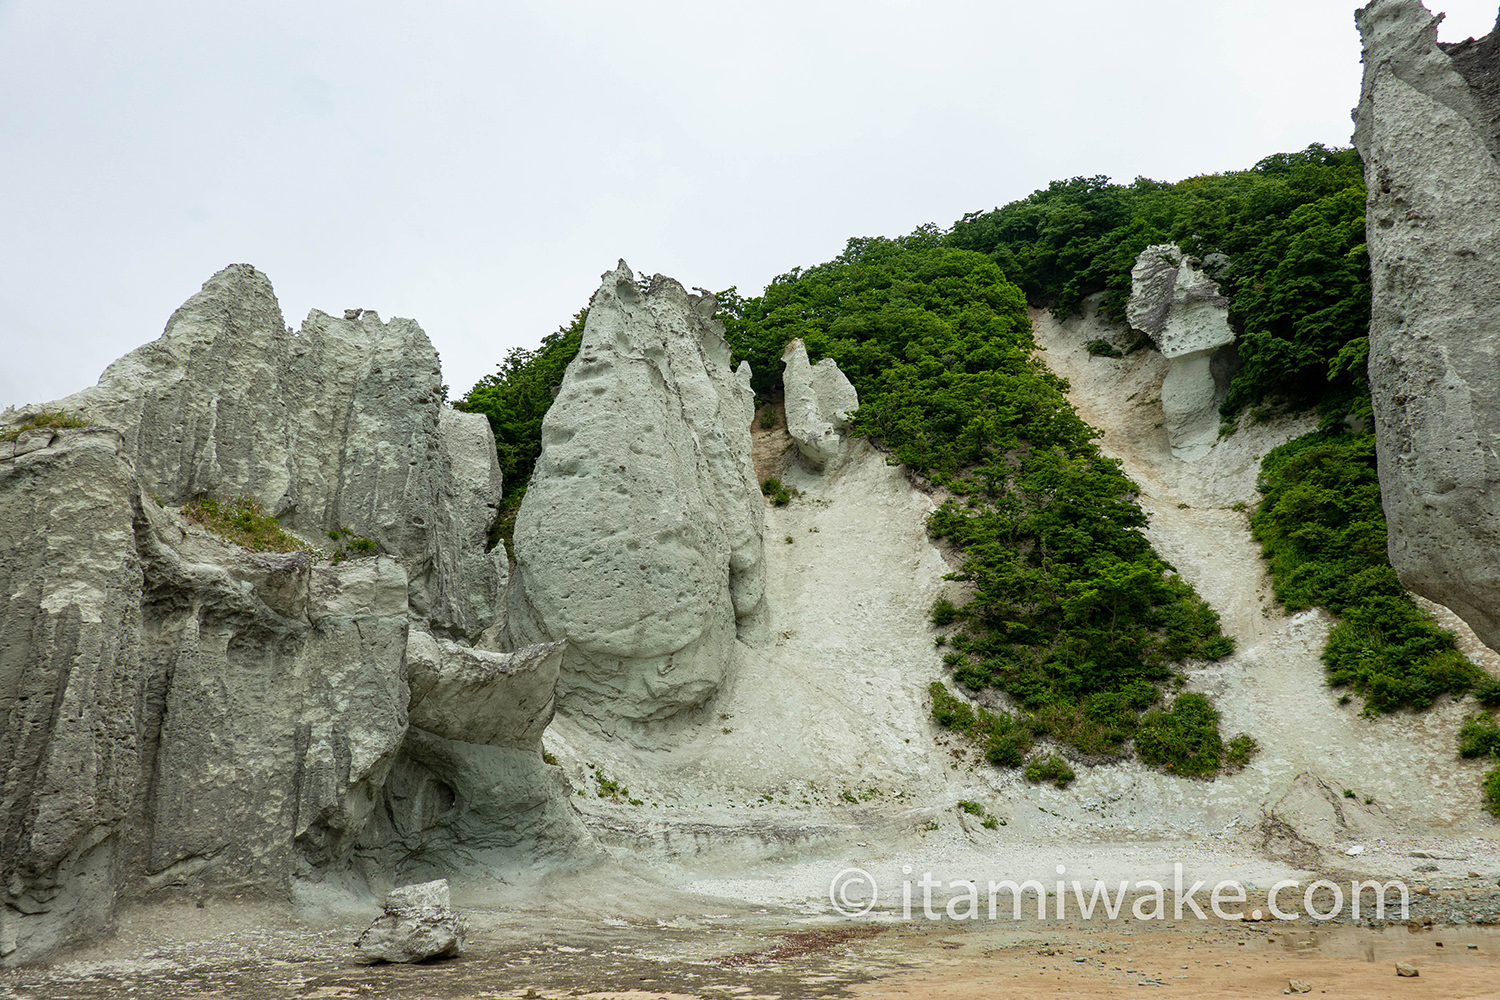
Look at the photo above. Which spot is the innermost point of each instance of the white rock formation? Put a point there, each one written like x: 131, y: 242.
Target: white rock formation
x: 341, y: 425
x: 1426, y: 129
x: 819, y: 399
x: 639, y: 540
x: 177, y: 709
x: 181, y: 714
x: 1181, y: 309
x: 418, y: 924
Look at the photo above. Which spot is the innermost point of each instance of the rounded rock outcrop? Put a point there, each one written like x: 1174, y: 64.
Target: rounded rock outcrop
x: 639, y: 539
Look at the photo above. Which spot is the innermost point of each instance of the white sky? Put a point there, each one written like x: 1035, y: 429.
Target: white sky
x: 477, y: 165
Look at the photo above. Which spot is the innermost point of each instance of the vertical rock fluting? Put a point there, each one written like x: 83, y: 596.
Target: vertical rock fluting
x: 180, y: 714
x: 639, y: 540
x: 1428, y: 129
x: 341, y: 425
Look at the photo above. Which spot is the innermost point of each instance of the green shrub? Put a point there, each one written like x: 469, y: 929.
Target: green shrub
x: 971, y: 807
x: 1323, y: 535
x: 243, y: 522
x: 1004, y: 739
x: 348, y: 545
x: 1487, y: 692
x: 944, y: 612
x: 1492, y: 792
x: 778, y: 492
x: 517, y: 397
x: 1239, y: 752
x: 1102, y: 348
x: 54, y: 419
x: 1049, y: 768
x: 767, y: 417
x: 1184, y: 739
x: 1479, y: 737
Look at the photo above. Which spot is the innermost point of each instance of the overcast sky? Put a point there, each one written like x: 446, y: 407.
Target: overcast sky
x: 477, y: 165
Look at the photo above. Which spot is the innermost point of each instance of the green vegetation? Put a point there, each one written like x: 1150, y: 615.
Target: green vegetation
x: 973, y: 808
x: 244, y: 523
x: 1291, y: 230
x: 1004, y: 739
x: 1069, y: 604
x: 348, y: 545
x: 777, y: 492
x: 1324, y: 539
x: 610, y: 789
x: 1049, y: 768
x: 1492, y: 792
x: 54, y: 419
x: 1479, y: 737
x: 1184, y: 739
x: 515, y: 399
x: 1068, y: 611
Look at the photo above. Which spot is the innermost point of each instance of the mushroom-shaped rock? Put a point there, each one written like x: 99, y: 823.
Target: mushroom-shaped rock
x: 1181, y: 309
x: 819, y: 399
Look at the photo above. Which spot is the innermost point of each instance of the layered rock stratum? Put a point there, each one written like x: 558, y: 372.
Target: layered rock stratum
x: 639, y: 540
x: 179, y: 714
x: 1427, y: 130
x: 1181, y: 308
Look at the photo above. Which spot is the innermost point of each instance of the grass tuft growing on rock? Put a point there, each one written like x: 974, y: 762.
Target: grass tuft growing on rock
x: 243, y: 522
x: 54, y: 419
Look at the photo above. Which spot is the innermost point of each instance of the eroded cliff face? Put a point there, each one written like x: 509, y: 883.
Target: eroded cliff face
x: 181, y: 714
x: 1428, y: 128
x: 639, y: 540
x: 339, y: 425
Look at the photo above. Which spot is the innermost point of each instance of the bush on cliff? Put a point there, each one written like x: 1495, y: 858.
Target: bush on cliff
x: 1292, y: 228
x: 1069, y: 606
x: 515, y: 399
x: 1323, y: 535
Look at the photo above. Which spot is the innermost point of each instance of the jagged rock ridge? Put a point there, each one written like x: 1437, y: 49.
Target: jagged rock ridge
x: 1426, y: 129
x: 181, y: 714
x: 639, y: 539
x: 340, y: 425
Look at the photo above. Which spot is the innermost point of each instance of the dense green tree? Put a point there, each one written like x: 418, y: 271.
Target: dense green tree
x: 1070, y: 613
x: 1291, y: 228
x: 515, y: 399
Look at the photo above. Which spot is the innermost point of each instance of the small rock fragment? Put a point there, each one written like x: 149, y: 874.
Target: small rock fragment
x: 1299, y: 986
x: 418, y: 924
x: 1407, y: 970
